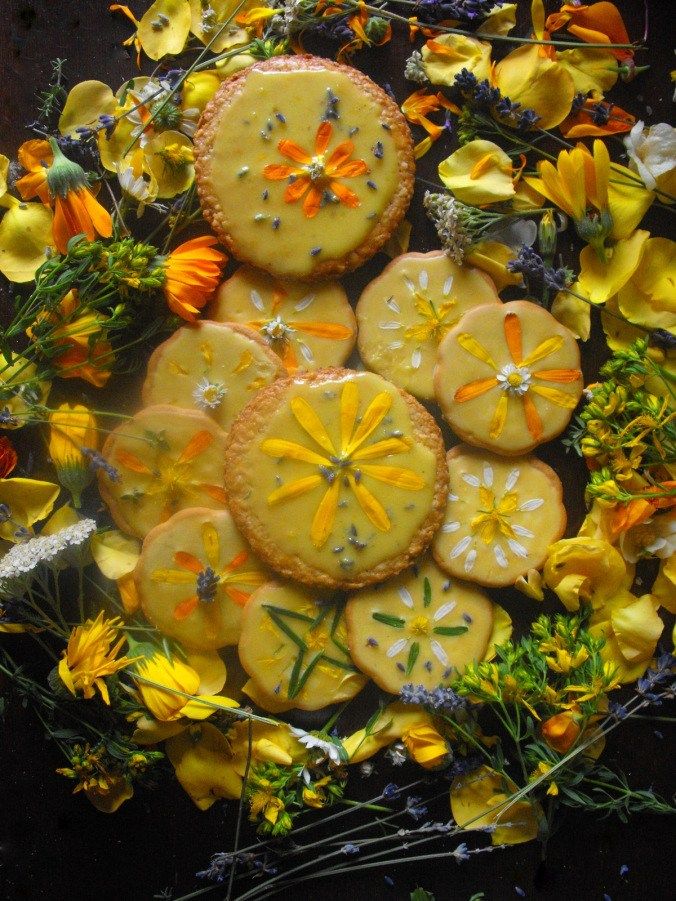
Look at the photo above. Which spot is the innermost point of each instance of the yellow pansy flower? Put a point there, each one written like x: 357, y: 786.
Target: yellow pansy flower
x: 478, y: 173
x: 91, y: 655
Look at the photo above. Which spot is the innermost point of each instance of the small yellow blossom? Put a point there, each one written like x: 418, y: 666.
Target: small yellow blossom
x: 89, y: 657
x: 541, y: 770
x: 426, y: 746
x: 173, y: 681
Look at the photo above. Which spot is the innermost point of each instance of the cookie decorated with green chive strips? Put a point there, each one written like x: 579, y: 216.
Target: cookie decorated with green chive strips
x: 194, y: 576
x: 294, y: 647
x: 422, y: 627
x: 337, y: 478
x: 501, y: 517
x: 304, y: 166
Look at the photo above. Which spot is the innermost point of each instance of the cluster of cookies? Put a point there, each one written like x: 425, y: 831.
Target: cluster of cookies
x: 305, y: 511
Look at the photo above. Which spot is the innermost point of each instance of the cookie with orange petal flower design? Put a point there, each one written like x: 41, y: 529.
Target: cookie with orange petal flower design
x: 309, y: 327
x: 337, y: 478
x: 194, y: 576
x: 160, y: 461
x: 508, y: 377
x: 304, y: 166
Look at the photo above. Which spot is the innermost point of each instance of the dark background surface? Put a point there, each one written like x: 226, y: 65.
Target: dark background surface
x: 55, y: 845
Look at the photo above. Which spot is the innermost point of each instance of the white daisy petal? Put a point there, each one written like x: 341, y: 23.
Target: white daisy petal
x: 488, y: 475
x: 512, y: 479
x: 406, y: 598
x: 444, y: 610
x: 423, y: 279
x: 523, y: 532
x: 471, y: 480
x: 460, y: 547
x: 304, y: 303
x: 396, y: 345
x: 397, y: 647
x: 517, y: 548
x: 306, y: 352
x: 439, y: 652
x: 470, y: 560
x: 256, y: 300
x: 409, y: 284
x: 389, y: 326
x: 450, y: 527
x: 416, y: 359
x: 500, y: 557
x: 448, y: 284
x: 393, y: 305
x: 533, y: 504
x: 452, y: 497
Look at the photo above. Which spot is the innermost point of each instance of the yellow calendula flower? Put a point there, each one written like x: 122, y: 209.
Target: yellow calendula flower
x: 91, y: 656
x: 169, y: 689
x: 426, y: 745
x: 72, y: 431
x: 478, y: 173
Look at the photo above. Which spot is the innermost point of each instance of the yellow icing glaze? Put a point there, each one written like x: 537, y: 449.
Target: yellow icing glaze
x: 396, y: 633
x: 210, y: 367
x: 249, y: 133
x: 167, y: 459
x: 352, y: 543
x: 405, y: 312
x: 501, y: 516
x: 325, y: 674
x: 197, y: 544
x: 508, y: 377
x: 309, y: 327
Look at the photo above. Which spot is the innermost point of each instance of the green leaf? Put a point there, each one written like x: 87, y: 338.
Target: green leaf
x: 287, y: 630
x: 450, y: 630
x: 427, y: 592
x: 293, y: 688
x: 412, y: 657
x: 395, y: 621
x: 419, y: 894
x: 292, y: 614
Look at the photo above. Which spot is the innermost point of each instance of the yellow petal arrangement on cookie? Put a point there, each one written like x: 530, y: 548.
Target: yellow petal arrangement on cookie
x: 295, y: 552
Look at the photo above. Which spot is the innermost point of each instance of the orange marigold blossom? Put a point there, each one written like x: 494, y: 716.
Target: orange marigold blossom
x: 315, y: 173
x: 561, y: 731
x: 8, y: 457
x: 518, y: 378
x: 417, y: 107
x: 191, y: 273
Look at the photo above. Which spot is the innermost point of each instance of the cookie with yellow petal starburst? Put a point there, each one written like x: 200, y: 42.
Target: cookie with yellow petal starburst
x: 293, y: 645
x: 304, y: 166
x: 421, y: 627
x: 501, y: 517
x: 308, y: 327
x: 216, y: 367
x: 337, y: 478
x: 508, y: 377
x: 160, y: 461
x: 405, y: 312
x: 194, y: 576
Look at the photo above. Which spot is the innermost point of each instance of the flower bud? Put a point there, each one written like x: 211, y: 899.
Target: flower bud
x: 72, y: 428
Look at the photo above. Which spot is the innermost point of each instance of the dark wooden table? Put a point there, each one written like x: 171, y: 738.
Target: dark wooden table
x: 55, y: 845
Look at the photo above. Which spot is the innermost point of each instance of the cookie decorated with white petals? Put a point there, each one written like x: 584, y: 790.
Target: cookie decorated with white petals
x: 160, y: 461
x: 501, y: 516
x: 508, y: 377
x: 421, y: 627
x: 308, y: 327
x: 404, y: 314
x: 216, y: 367
x: 194, y: 576
x: 294, y: 647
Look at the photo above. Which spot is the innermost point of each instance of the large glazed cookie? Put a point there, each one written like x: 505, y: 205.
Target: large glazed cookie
x: 508, y: 377
x: 216, y: 367
x: 162, y: 460
x: 405, y: 312
x: 194, y: 576
x: 304, y: 166
x: 294, y: 647
x: 308, y: 326
x: 501, y: 517
x: 337, y: 478
x: 421, y: 627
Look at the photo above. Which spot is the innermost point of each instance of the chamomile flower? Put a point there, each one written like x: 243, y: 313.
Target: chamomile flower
x: 209, y: 395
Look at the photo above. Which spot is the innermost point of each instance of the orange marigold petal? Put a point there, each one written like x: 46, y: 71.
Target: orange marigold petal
x: 132, y: 462
x: 188, y: 561
x: 293, y: 151
x: 324, y: 330
x: 322, y: 138
x: 186, y: 607
x: 512, y: 328
x: 215, y: 492
x: 533, y: 420
x: 313, y: 201
x: 278, y: 171
x: 345, y: 195
x: 296, y: 189
x: 558, y: 375
x: 474, y: 389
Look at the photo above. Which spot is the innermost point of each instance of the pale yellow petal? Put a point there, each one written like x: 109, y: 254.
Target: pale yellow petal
x: 86, y: 101
x: 25, y: 240
x: 164, y: 28
x: 599, y: 280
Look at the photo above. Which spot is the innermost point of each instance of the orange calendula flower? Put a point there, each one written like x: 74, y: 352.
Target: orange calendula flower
x: 36, y: 157
x: 417, y: 108
x: 207, y: 577
x: 8, y: 457
x: 314, y: 173
x: 518, y: 378
x: 345, y: 465
x: 91, y: 655
x: 595, y: 119
x: 598, y: 23
x: 192, y: 272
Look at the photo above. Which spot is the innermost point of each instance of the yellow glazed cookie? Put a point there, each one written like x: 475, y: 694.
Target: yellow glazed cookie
x: 405, y: 312
x: 304, y: 166
x: 216, y: 367
x: 163, y: 460
x: 421, y: 627
x: 337, y: 478
x: 501, y: 517
x: 194, y: 576
x: 294, y: 647
x: 308, y: 327
x: 508, y: 377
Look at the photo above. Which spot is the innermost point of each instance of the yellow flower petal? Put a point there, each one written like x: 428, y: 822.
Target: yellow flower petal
x: 480, y: 799
x: 572, y: 312
x: 469, y: 343
x: 118, y: 790
x: 29, y: 501
x: 501, y: 631
x: 555, y: 396
x: 390, y: 725
x: 599, y: 281
x: 310, y: 421
x: 587, y: 569
x: 492, y: 257
x: 204, y: 705
x: 281, y: 448
x: 294, y: 489
x: 204, y: 764
x: 450, y: 53
x: 499, y: 415
x: 590, y: 69
x: 536, y: 82
x: 628, y: 201
x: 370, y: 504
x: 544, y: 349
x: 649, y: 297
x: 394, y: 475
x: 373, y: 416
x: 164, y: 28
x: 325, y: 515
x: 637, y: 628
x: 220, y: 12
x: 170, y: 159
x: 25, y: 239
x: 501, y: 20
x: 478, y: 173
x: 383, y: 448
x: 85, y: 103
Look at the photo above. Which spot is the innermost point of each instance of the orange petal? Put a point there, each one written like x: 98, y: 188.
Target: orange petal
x: 185, y: 608
x: 340, y: 155
x: 312, y: 202
x: 237, y: 596
x: 289, y: 358
x: 278, y: 171
x: 198, y: 443
x: 237, y: 561
x: 322, y: 138
x: 513, y: 337
x: 345, y: 195
x: 99, y: 215
x: 132, y: 462
x: 215, y: 492
x: 533, y: 420
x: 350, y: 170
x: 558, y: 375
x: 188, y: 561
x: 324, y: 330
x: 296, y: 189
x: 292, y: 151
x: 474, y: 389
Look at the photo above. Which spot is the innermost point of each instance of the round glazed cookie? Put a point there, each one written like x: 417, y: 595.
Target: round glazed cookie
x: 508, y: 377
x: 216, y: 367
x: 501, y: 517
x: 293, y: 646
x: 194, y: 576
x: 421, y: 627
x: 162, y: 460
x: 308, y: 327
x: 405, y: 312
x: 337, y: 478
x: 304, y: 166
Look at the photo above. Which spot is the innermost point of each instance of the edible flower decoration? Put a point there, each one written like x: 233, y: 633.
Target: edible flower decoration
x: 191, y: 273
x: 518, y: 378
x: 345, y: 465
x: 316, y: 176
x: 91, y: 656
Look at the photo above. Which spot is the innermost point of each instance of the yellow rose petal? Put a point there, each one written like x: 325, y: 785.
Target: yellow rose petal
x: 203, y: 761
x: 537, y: 83
x: 637, y: 628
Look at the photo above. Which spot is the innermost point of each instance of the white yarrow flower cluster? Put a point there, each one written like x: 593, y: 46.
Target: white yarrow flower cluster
x: 444, y: 212
x: 24, y: 558
x: 414, y: 70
